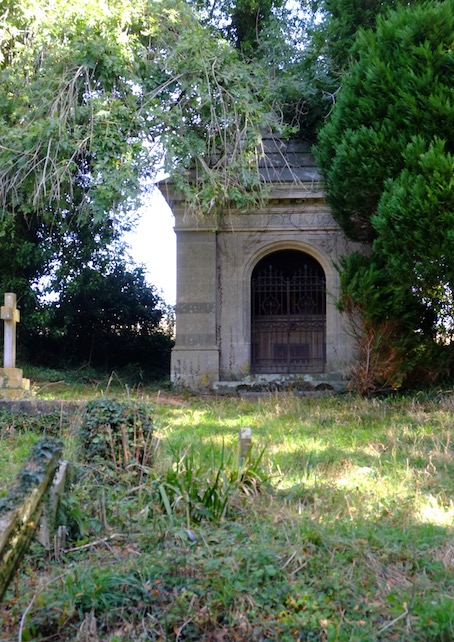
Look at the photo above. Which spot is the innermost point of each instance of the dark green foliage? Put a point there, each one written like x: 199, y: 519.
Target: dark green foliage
x: 26, y: 251
x: 418, y: 206
x: 335, y: 35
x: 118, y: 433
x: 248, y: 19
x: 108, y: 318
x: 50, y: 423
x: 400, y: 87
x: 316, y: 65
x: 387, y: 157
x: 35, y: 249
x: 382, y: 319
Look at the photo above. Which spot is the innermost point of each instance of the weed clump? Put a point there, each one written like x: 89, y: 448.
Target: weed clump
x: 117, y: 433
x: 208, y: 492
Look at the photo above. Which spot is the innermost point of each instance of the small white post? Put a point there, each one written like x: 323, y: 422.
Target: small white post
x: 244, y: 445
x: 10, y: 315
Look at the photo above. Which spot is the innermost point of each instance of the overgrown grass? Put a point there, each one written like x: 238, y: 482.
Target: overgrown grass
x: 19, y: 431
x: 341, y: 531
x: 14, y: 450
x: 88, y: 383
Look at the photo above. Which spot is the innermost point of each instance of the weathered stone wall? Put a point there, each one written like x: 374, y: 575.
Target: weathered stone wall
x: 195, y: 357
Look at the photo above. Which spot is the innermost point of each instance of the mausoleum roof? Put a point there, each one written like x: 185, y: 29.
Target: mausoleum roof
x: 285, y: 164
x: 287, y: 161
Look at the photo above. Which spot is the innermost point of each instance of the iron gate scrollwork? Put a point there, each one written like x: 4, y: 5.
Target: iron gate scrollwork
x: 288, y: 318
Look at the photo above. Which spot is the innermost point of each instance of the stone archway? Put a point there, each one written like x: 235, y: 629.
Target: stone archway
x: 288, y: 314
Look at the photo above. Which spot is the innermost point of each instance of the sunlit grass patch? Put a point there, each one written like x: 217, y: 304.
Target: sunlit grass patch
x: 381, y: 452
x: 14, y: 451
x: 436, y: 510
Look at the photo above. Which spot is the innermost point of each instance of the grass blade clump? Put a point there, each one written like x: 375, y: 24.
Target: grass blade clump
x: 202, y: 488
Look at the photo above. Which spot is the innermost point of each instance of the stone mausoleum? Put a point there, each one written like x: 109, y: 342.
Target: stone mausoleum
x: 256, y: 292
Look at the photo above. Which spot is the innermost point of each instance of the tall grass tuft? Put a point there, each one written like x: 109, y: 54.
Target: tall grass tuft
x: 203, y: 488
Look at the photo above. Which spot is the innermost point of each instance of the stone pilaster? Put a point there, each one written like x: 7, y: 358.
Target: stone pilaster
x: 195, y: 357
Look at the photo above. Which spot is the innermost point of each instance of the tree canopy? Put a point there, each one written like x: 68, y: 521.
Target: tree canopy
x: 93, y: 92
x: 107, y: 317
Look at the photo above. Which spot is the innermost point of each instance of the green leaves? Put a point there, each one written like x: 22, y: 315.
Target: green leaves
x: 400, y: 87
x: 117, y: 434
x: 204, y: 490
x: 386, y: 154
x: 93, y: 95
x: 418, y: 206
x: 59, y: 85
x: 78, y: 93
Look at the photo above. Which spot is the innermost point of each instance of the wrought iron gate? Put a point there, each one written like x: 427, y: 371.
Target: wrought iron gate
x: 288, y: 320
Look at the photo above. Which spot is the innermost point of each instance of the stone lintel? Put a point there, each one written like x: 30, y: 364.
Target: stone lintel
x: 310, y: 188
x: 283, y: 217
x: 283, y: 222
x: 288, y: 196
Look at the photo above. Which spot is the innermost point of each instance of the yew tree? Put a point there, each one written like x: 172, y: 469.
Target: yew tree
x: 387, y: 157
x: 340, y: 20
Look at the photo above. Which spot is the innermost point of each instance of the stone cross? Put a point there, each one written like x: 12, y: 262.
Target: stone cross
x: 10, y: 315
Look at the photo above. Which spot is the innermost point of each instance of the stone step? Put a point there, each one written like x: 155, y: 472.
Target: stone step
x: 307, y: 384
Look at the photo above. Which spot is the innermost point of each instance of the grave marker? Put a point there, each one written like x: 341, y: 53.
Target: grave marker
x: 21, y: 509
x: 12, y: 384
x: 10, y: 315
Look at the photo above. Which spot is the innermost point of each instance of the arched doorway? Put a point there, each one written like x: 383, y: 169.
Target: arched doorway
x: 288, y: 333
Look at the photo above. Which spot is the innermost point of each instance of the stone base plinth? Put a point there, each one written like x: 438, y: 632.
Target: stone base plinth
x: 194, y: 368
x: 12, y: 384
x: 293, y: 384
